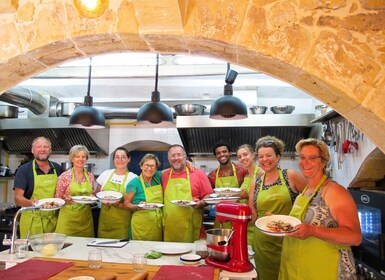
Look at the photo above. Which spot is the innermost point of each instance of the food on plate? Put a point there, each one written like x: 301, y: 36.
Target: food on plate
x: 182, y: 202
x: 279, y: 226
x: 50, y: 204
x: 110, y: 197
x: 148, y: 205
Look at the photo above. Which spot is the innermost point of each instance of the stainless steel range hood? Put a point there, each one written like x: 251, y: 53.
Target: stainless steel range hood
x: 199, y: 133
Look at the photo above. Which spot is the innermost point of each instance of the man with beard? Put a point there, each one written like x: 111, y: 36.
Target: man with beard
x: 36, y: 180
x: 227, y: 175
x: 183, y: 222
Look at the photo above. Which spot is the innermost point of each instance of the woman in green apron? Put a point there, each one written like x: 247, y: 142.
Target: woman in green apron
x: 75, y: 219
x: 273, y: 193
x: 246, y: 157
x: 146, y: 224
x: 115, y: 219
x: 320, y: 246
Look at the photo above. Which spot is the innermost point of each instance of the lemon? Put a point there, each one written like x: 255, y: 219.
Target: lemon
x: 48, y: 250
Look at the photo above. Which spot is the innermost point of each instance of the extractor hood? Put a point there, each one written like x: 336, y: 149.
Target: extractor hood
x: 199, y: 133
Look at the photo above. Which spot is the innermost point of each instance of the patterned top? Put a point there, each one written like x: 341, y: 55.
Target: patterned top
x: 241, y: 174
x: 318, y: 214
x: 64, y: 183
x: 293, y: 195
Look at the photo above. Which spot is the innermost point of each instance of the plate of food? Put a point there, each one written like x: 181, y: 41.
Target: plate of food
x: 214, y: 199
x: 109, y: 196
x: 227, y: 191
x: 277, y: 225
x: 50, y: 204
x: 150, y: 206
x: 82, y: 199
x: 183, y: 203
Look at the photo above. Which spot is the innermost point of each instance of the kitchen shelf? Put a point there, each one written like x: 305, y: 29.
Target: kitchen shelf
x: 325, y: 117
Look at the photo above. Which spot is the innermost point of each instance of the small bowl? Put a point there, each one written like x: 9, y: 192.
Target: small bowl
x: 258, y: 109
x: 47, y: 244
x: 288, y: 109
x: 190, y: 259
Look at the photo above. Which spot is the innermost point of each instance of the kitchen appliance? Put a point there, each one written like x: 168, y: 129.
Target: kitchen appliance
x: 370, y: 254
x: 239, y: 214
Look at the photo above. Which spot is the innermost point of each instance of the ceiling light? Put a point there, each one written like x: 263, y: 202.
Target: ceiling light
x: 87, y: 116
x: 228, y: 106
x: 91, y: 8
x: 155, y: 113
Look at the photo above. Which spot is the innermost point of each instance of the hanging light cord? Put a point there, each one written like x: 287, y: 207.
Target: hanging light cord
x: 88, y: 98
x: 155, y: 97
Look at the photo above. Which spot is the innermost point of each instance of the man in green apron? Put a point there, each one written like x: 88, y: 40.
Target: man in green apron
x: 181, y: 223
x: 36, y: 180
x: 227, y: 175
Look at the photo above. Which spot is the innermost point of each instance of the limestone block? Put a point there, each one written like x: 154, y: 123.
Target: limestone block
x: 11, y: 46
x: 8, y: 6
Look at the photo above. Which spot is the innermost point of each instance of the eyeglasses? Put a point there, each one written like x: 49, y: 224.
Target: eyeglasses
x: 152, y: 166
x: 176, y: 155
x: 120, y: 158
x: 267, y: 143
x: 309, y: 158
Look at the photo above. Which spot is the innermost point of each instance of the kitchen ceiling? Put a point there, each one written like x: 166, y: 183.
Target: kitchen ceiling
x: 127, y: 79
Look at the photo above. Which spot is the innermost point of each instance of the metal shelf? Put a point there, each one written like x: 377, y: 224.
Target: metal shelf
x: 325, y: 117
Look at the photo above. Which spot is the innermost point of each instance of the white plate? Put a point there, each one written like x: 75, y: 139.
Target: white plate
x: 190, y: 258
x: 109, y: 196
x: 183, y: 203
x: 262, y: 222
x: 229, y: 191
x: 58, y: 201
x: 150, y: 206
x: 85, y: 199
x: 215, y: 200
x: 173, y: 249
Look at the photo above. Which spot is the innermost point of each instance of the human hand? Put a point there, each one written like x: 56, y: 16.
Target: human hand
x: 302, y: 231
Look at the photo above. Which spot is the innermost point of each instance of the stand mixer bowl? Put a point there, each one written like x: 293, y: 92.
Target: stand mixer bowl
x: 214, y: 236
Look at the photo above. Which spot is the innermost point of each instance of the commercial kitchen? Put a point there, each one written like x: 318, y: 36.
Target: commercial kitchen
x: 339, y: 74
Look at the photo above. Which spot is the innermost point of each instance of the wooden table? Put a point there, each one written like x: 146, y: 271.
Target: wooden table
x: 122, y: 271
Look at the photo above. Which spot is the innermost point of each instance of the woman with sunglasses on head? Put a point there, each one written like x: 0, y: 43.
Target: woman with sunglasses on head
x: 114, y: 219
x: 246, y: 157
x: 146, y: 224
x: 273, y: 193
x: 319, y: 248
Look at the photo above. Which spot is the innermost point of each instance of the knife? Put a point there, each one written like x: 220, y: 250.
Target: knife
x: 110, y: 242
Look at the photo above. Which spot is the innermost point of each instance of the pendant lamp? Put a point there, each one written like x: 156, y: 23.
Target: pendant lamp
x: 155, y: 113
x: 228, y: 106
x: 87, y: 116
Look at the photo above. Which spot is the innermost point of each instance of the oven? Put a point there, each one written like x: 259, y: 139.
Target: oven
x: 370, y: 254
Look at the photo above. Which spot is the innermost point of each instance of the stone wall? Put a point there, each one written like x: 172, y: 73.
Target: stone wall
x: 333, y: 50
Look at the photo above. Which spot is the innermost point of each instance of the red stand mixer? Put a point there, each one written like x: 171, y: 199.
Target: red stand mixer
x: 239, y: 214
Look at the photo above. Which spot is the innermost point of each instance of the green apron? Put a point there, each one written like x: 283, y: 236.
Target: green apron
x: 275, y: 200
x: 76, y: 219
x: 181, y: 224
x: 226, y: 182
x: 246, y: 186
x: 40, y: 221
x: 113, y: 221
x: 148, y: 224
x: 311, y: 258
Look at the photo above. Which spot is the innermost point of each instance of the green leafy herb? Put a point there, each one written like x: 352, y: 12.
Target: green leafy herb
x: 153, y: 255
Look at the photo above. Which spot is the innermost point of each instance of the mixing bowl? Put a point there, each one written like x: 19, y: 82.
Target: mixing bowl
x: 189, y: 109
x: 288, y: 109
x: 258, y: 109
x: 214, y: 236
x: 47, y: 244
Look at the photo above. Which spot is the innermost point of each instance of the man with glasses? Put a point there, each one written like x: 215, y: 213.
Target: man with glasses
x: 114, y: 220
x: 184, y: 190
x: 36, y: 180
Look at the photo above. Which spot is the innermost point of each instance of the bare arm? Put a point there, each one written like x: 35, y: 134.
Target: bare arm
x: 254, y: 213
x: 344, y: 211
x: 296, y: 180
x: 22, y: 201
x: 128, y: 202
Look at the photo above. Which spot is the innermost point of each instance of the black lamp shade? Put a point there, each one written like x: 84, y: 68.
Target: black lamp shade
x: 228, y: 107
x: 87, y: 117
x: 155, y: 113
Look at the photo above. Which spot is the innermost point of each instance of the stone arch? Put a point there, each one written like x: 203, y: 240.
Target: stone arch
x: 332, y: 50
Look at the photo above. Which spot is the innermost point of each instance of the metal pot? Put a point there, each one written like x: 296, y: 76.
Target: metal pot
x: 8, y: 112
x: 66, y: 165
x: 214, y: 237
x: 89, y: 166
x: 189, y: 109
x: 258, y: 109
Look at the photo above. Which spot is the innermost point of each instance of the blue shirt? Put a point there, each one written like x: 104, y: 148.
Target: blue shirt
x: 136, y: 186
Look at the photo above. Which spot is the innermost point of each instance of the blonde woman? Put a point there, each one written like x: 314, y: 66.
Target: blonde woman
x: 75, y: 219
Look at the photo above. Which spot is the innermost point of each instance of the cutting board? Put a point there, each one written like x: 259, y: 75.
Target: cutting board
x: 184, y: 272
x: 34, y: 270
